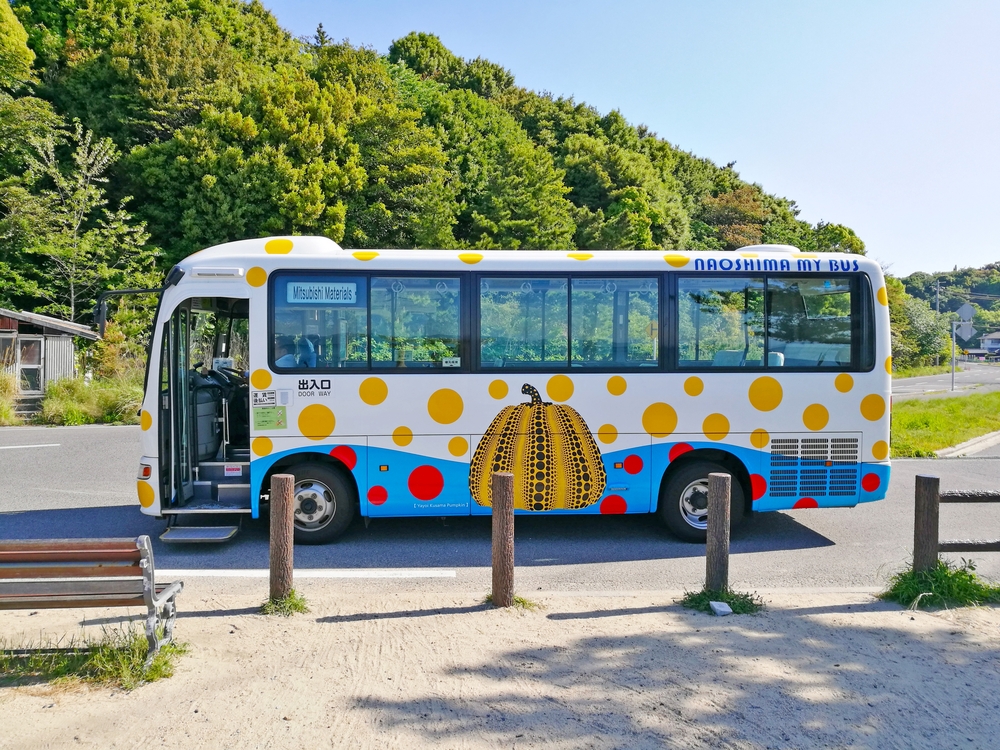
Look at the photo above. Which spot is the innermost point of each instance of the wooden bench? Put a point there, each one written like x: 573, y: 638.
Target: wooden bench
x: 73, y: 573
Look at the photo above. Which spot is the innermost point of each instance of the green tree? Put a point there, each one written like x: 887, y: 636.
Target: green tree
x: 60, y: 216
x: 15, y: 57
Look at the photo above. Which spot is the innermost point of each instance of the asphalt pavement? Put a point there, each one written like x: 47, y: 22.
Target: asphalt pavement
x: 80, y: 482
x: 973, y: 377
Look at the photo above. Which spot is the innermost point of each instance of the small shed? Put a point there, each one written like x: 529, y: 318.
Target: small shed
x: 38, y: 349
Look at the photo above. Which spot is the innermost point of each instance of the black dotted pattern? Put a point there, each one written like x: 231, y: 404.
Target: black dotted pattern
x: 550, y: 451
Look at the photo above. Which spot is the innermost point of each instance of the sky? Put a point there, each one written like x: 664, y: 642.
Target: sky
x: 883, y: 115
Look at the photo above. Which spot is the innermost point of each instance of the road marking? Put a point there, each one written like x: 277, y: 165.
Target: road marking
x: 311, y: 573
x: 40, y: 445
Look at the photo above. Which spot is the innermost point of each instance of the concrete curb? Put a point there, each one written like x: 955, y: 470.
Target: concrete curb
x: 970, y: 447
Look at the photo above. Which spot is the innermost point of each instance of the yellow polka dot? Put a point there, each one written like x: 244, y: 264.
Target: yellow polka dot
x: 804, y: 255
x: 498, y: 389
x: 262, y: 446
x: 316, y: 422
x: 147, y: 496
x: 694, y: 386
x: 888, y: 365
x: 748, y: 255
x: 883, y: 296
x: 580, y: 256
x: 607, y: 433
x: 373, y: 391
x: 815, y: 417
x: 145, y: 420
x: 402, y: 435
x: 445, y: 406
x: 765, y: 394
x: 677, y: 261
x: 759, y: 438
x: 365, y: 254
x: 470, y: 258
x: 659, y: 419
x: 559, y: 388
x: 617, y: 385
x: 458, y: 446
x: 260, y: 379
x: 880, y: 450
x: 278, y: 247
x: 843, y: 382
x: 872, y: 407
x: 256, y: 276
x: 715, y: 426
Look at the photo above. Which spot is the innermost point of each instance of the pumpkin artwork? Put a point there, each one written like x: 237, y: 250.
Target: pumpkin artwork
x: 548, y: 448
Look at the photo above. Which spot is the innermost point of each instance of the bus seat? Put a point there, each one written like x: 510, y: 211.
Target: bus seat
x: 775, y: 359
x: 728, y: 358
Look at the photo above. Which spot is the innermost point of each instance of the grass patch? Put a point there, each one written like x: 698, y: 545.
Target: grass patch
x: 107, y: 400
x: 519, y: 602
x: 290, y: 605
x: 916, y: 372
x: 944, y: 585
x: 116, y: 659
x: 921, y: 427
x: 8, y: 398
x: 741, y: 603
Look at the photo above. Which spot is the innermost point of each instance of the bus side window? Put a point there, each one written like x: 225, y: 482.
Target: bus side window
x: 720, y: 322
x: 416, y: 322
x: 809, y: 321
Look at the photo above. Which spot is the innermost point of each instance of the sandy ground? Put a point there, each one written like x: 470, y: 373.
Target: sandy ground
x: 402, y: 670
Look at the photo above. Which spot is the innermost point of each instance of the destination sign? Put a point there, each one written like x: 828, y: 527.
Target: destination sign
x: 313, y: 293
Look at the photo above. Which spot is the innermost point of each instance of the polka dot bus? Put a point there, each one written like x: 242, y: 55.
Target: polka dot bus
x: 396, y: 382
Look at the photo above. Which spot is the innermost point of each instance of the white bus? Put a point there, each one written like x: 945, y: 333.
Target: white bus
x: 395, y: 382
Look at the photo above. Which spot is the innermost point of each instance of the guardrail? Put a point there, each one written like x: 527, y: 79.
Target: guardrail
x: 926, y: 540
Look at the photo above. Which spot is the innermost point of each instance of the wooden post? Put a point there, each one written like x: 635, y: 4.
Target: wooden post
x: 502, y: 489
x: 927, y: 499
x: 717, y: 540
x: 282, y: 532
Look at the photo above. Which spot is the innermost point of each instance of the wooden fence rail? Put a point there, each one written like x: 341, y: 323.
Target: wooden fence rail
x: 926, y: 540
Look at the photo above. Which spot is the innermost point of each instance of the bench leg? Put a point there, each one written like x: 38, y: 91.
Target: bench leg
x: 167, y: 617
x: 152, y: 620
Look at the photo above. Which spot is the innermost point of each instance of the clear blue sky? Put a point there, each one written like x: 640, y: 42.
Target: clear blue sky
x: 880, y: 114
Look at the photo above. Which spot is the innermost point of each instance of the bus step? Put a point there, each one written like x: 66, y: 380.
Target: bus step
x: 198, y: 534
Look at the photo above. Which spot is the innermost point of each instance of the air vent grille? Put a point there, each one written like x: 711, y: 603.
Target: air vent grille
x: 814, y: 467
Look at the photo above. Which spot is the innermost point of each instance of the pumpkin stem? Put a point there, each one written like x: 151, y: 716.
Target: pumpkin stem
x: 530, y: 390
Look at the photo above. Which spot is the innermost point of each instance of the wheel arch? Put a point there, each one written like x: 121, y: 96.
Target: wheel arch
x: 732, y: 464
x: 323, y: 459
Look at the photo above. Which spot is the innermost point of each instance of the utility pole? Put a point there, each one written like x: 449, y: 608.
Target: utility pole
x: 937, y: 304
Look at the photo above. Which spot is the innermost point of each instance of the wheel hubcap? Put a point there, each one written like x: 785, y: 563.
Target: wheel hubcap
x: 694, y: 504
x: 315, y: 504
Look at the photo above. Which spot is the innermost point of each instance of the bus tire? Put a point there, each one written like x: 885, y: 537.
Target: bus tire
x: 323, y: 503
x: 684, y: 500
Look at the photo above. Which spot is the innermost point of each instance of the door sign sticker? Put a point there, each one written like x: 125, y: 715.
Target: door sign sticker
x: 265, y: 398
x: 233, y: 470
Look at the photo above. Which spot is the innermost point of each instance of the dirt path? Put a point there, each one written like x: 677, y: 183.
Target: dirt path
x: 429, y: 670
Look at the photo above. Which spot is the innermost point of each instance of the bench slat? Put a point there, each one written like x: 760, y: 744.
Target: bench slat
x: 69, y: 586
x: 69, y: 570
x: 87, y: 555
x: 68, y: 602
x: 15, y: 545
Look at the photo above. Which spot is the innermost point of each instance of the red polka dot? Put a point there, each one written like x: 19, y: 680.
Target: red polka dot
x: 870, y: 482
x: 425, y: 483
x: 633, y: 464
x: 345, y: 454
x: 806, y: 502
x: 758, y: 486
x: 377, y: 495
x: 679, y: 450
x: 613, y: 505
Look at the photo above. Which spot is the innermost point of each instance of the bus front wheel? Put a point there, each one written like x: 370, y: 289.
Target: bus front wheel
x: 323, y: 503
x: 684, y: 500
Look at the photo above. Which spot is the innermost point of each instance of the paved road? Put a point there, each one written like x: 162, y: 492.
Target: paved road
x: 975, y: 377
x: 84, y: 486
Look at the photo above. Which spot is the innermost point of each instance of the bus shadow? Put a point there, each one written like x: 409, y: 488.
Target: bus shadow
x: 421, y: 542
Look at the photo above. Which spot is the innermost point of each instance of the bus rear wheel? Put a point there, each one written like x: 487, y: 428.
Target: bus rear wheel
x: 684, y: 501
x: 323, y: 503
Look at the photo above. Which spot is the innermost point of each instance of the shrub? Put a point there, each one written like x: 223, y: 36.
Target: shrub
x: 8, y: 398
x: 109, y: 400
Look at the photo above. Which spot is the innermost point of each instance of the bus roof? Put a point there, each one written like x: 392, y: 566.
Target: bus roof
x: 233, y: 259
